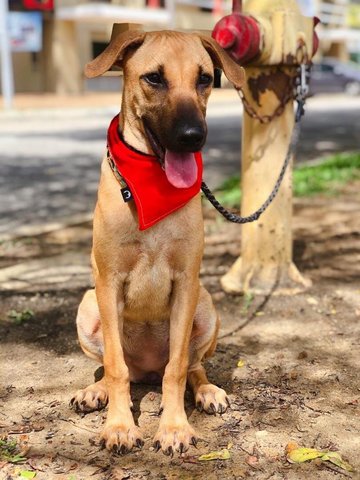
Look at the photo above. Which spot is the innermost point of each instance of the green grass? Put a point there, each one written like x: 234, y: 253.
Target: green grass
x: 20, y: 317
x: 9, y: 451
x: 327, y: 177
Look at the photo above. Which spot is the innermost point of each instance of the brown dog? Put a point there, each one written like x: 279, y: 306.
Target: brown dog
x: 148, y: 313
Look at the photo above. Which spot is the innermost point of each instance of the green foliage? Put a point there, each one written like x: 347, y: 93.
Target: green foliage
x: 9, y: 451
x: 326, y: 177
x: 20, y: 317
x: 248, y: 299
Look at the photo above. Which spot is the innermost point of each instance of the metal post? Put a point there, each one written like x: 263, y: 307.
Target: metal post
x: 7, y: 76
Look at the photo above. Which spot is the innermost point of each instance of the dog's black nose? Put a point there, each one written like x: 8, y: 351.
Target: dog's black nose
x: 191, y: 138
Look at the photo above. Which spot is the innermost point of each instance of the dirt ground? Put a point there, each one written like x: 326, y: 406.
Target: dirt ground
x: 300, y: 356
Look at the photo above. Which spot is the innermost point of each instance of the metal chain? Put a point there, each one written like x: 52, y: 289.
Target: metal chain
x: 250, y: 110
x: 232, y: 217
x: 300, y: 96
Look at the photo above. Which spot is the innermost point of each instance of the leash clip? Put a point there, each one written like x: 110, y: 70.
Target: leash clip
x: 302, y: 82
x: 302, y: 89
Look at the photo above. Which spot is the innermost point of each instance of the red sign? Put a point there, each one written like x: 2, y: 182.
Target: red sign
x: 39, y: 4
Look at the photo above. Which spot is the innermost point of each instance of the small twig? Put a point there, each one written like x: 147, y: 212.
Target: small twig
x: 299, y: 429
x: 317, y: 411
x: 251, y: 317
x: 336, y: 469
x: 243, y: 449
x: 191, y: 459
x: 75, y: 425
x: 152, y: 413
x: 261, y: 422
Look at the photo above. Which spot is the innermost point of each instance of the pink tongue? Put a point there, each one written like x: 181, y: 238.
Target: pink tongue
x: 181, y: 169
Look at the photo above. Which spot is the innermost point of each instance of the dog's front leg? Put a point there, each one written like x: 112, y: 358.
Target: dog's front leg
x: 120, y: 433
x: 174, y: 431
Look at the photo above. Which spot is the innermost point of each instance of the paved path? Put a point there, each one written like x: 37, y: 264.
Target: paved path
x: 49, y: 158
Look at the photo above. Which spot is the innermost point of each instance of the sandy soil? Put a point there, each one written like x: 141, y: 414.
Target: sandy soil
x: 299, y: 381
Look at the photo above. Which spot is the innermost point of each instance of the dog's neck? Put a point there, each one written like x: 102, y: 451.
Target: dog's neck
x: 132, y: 129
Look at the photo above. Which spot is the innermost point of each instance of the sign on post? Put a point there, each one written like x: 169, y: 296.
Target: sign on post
x: 25, y: 31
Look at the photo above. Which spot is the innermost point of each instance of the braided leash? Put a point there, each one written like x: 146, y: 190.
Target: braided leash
x: 232, y: 217
x: 300, y: 98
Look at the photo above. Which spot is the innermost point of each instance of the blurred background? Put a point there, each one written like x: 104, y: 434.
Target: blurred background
x: 52, y: 40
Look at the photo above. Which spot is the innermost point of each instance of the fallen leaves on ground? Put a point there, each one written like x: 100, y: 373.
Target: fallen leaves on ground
x: 223, y: 454
x: 296, y: 454
x: 26, y: 428
x: 13, y: 452
x: 27, y: 474
x: 252, y: 460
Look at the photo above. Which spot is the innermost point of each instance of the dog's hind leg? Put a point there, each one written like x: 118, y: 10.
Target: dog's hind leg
x: 208, y: 397
x: 89, y: 327
x: 95, y: 396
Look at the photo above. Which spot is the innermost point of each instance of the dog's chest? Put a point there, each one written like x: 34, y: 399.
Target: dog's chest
x: 154, y: 258
x: 147, y: 288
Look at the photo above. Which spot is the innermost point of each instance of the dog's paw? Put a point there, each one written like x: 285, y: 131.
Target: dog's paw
x: 121, y: 438
x: 94, y: 397
x: 211, y: 399
x: 171, y: 438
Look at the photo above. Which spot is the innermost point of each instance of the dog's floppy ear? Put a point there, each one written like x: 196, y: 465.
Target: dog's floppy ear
x: 233, y: 72
x: 114, y: 52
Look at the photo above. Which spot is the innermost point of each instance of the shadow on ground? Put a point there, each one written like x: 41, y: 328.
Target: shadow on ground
x: 298, y: 379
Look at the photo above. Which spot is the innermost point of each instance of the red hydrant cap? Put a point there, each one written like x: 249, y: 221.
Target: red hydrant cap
x: 239, y: 35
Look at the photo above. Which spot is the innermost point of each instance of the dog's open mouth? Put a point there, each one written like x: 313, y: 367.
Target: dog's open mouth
x: 180, y: 167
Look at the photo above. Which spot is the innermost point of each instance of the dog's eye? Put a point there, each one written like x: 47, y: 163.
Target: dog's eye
x: 205, y: 80
x: 154, y: 79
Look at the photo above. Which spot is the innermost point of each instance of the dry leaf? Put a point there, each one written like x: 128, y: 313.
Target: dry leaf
x: 27, y: 474
x: 118, y: 473
x: 335, y: 458
x: 217, y: 455
x: 302, y: 454
x: 251, y: 460
x: 291, y: 446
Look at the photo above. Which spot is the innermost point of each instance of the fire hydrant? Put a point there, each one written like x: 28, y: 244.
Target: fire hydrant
x: 270, y: 38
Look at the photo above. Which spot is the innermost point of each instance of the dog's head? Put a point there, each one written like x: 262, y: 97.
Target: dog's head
x: 168, y: 77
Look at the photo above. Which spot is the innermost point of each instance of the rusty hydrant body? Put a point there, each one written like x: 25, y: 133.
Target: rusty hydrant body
x: 270, y: 38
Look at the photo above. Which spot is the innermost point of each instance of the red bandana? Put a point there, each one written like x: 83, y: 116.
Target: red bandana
x: 155, y: 197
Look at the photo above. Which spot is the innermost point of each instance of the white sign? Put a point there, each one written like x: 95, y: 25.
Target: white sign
x: 307, y: 7
x: 25, y: 31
